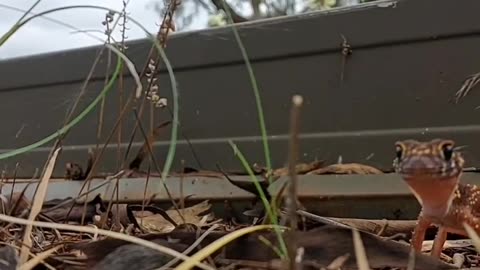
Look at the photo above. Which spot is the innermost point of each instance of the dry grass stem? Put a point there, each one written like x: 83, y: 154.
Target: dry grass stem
x: 38, y: 259
x: 292, y: 190
x: 131, y: 68
x: 190, y: 248
x: 360, y: 254
x: 411, y: 260
x: 37, y: 206
x: 473, y: 235
x: 338, y: 262
x: 219, y: 243
x: 107, y: 233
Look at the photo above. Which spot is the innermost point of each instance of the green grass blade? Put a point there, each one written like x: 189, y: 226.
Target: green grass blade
x: 271, y: 214
x: 72, y: 123
x: 175, y: 121
x: 253, y: 81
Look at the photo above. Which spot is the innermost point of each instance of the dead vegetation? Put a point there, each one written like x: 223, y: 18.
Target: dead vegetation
x: 100, y: 233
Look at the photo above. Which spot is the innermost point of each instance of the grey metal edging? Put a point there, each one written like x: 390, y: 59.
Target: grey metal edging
x: 315, y: 187
x: 349, y: 196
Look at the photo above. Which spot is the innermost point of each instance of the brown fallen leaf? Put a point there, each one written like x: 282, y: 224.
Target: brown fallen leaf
x: 301, y: 168
x: 348, y: 168
x: 460, y: 243
x: 192, y: 215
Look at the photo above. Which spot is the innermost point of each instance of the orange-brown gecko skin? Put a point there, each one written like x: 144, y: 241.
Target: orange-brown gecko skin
x: 432, y: 171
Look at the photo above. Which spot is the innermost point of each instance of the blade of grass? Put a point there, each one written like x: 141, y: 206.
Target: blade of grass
x: 271, y: 214
x: 28, y: 11
x: 17, y: 24
x: 253, y: 81
x: 71, y: 124
x: 269, y: 244
x: 131, y: 67
x: 175, y: 121
x: 25, y: 12
x: 37, y: 206
x: 174, y: 131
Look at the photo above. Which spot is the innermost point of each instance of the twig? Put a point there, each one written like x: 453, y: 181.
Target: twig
x: 145, y: 193
x: 38, y: 258
x: 360, y: 253
x: 13, y: 183
x: 219, y: 243
x: 236, y: 18
x: 190, y: 248
x: 182, y: 198
x: 155, y: 164
x: 291, y: 200
x: 148, y: 143
x: 470, y: 82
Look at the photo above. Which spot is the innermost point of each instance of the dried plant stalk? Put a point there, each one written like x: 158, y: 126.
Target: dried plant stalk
x: 37, y: 206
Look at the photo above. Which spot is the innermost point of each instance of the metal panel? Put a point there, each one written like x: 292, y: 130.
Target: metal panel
x: 398, y: 83
x: 327, y: 195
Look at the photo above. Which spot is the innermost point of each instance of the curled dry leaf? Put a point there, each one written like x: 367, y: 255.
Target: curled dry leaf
x: 460, y: 243
x: 348, y: 168
x: 301, y: 168
x: 157, y: 223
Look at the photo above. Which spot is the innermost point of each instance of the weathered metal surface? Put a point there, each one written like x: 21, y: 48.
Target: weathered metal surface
x: 398, y: 83
x: 328, y: 195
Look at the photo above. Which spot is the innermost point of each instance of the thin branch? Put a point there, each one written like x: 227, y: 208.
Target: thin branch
x: 236, y: 18
x: 292, y: 194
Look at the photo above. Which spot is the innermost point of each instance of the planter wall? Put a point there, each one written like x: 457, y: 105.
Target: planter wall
x: 409, y: 58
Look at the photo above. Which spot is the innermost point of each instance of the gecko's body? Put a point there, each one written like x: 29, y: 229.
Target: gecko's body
x: 432, y: 171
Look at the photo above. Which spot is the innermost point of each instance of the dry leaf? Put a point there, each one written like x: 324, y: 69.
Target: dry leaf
x: 301, y: 168
x: 349, y: 168
x: 157, y: 223
x: 461, y: 243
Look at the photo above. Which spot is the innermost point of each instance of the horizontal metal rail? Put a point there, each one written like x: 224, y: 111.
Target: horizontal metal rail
x: 199, y: 188
x: 368, y: 196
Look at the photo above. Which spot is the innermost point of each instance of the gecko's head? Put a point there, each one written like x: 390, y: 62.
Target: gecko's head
x: 436, y: 159
x: 431, y: 170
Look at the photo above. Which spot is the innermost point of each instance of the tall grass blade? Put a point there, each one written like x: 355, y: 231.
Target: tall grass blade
x: 258, y: 99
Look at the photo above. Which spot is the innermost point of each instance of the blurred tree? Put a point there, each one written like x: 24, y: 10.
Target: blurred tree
x: 248, y: 10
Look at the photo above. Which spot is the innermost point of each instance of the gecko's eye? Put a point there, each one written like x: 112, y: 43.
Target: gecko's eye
x: 447, y: 150
x: 399, y: 151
